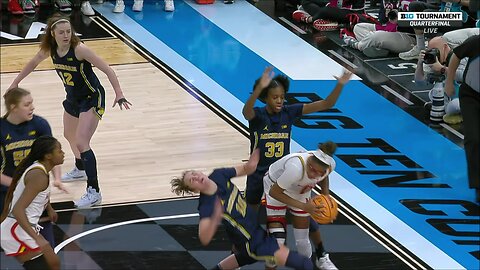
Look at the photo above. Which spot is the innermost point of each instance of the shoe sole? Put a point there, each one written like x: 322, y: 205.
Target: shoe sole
x: 74, y: 179
x: 88, y: 206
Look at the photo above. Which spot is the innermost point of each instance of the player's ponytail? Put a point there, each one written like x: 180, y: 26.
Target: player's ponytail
x: 328, y: 147
x: 42, y: 146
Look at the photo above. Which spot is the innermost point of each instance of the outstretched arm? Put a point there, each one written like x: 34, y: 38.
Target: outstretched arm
x: 265, y: 80
x: 83, y: 52
x: 31, y: 65
x: 330, y: 101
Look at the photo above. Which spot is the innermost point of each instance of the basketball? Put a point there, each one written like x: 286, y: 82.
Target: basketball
x: 331, y: 209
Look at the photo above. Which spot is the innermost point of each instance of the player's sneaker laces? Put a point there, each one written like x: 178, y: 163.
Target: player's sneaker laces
x: 89, y: 199
x: 87, y: 9
x: 324, y: 263
x: 169, y: 5
x: 414, y: 53
x: 119, y: 6
x: 74, y: 175
x: 137, y: 5
x: 63, y: 5
x: 324, y: 25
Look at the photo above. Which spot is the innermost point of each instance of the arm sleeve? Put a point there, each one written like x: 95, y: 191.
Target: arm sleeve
x: 292, y: 173
x: 295, y: 110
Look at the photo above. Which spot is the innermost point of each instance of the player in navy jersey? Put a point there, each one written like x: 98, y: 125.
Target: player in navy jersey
x: 85, y: 100
x: 19, y: 128
x: 220, y: 198
x: 270, y: 129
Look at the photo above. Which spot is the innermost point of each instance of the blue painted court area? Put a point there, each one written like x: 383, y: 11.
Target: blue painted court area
x: 385, y: 154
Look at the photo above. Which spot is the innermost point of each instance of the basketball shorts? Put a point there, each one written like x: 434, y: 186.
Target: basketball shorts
x: 14, y: 240
x: 96, y: 101
x: 277, y: 208
x: 254, y: 189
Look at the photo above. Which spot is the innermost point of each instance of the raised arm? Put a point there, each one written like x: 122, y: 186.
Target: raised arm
x: 31, y: 65
x: 330, y: 101
x: 83, y: 52
x: 265, y: 80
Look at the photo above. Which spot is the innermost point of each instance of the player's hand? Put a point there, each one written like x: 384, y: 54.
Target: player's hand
x: 12, y: 86
x: 313, y: 209
x: 266, y: 77
x: 52, y: 215
x: 344, y: 78
x: 122, y: 102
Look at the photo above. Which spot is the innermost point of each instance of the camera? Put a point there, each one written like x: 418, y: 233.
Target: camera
x: 431, y: 56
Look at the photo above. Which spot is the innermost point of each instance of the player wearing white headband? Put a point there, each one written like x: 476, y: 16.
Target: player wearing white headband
x: 288, y: 185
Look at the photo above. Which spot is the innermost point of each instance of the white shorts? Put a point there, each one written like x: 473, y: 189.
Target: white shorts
x: 277, y: 208
x: 14, y: 240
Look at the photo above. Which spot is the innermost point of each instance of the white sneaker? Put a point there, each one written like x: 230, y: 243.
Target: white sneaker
x: 87, y: 9
x: 169, y: 6
x: 119, y: 6
x: 74, y: 175
x: 414, y: 53
x: 324, y: 263
x: 137, y: 5
x: 89, y: 199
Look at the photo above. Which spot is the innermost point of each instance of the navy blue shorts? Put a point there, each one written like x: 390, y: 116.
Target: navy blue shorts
x: 260, y: 247
x: 95, y: 101
x: 254, y: 189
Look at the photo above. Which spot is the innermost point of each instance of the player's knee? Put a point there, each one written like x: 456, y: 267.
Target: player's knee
x: 277, y: 228
x: 302, y: 242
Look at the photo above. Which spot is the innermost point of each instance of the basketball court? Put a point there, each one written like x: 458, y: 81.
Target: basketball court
x: 188, y: 74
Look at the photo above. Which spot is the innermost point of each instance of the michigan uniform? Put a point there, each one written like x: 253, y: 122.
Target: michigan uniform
x: 15, y: 144
x: 14, y: 239
x: 83, y: 88
x: 239, y: 219
x: 271, y: 135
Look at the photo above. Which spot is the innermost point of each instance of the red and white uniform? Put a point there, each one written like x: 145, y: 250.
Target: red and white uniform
x: 290, y: 173
x: 14, y: 240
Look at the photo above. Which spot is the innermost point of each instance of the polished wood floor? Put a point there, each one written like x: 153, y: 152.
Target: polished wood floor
x: 138, y: 151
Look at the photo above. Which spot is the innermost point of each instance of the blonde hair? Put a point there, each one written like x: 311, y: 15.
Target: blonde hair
x: 48, y: 43
x: 13, y: 97
x: 179, y: 187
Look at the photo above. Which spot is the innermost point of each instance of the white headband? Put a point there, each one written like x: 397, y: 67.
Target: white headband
x: 325, y: 158
x: 61, y: 20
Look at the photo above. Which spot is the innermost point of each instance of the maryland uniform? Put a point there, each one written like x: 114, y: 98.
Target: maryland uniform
x: 15, y: 144
x: 271, y: 135
x: 14, y: 240
x: 290, y: 173
x: 239, y: 219
x: 83, y: 88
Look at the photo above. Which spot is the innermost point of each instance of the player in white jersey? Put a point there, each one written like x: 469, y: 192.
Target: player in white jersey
x: 28, y: 196
x: 288, y: 185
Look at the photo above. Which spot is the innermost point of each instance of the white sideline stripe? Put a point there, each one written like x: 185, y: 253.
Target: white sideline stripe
x: 118, y: 224
x: 393, y: 92
x: 289, y: 23
x: 352, y: 65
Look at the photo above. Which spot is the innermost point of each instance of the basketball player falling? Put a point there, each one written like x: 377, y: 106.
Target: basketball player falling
x: 288, y: 184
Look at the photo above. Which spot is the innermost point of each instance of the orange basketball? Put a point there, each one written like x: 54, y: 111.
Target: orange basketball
x: 331, y: 209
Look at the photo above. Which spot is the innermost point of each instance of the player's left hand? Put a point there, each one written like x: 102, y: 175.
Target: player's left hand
x: 52, y: 215
x: 122, y: 102
x: 344, y: 78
